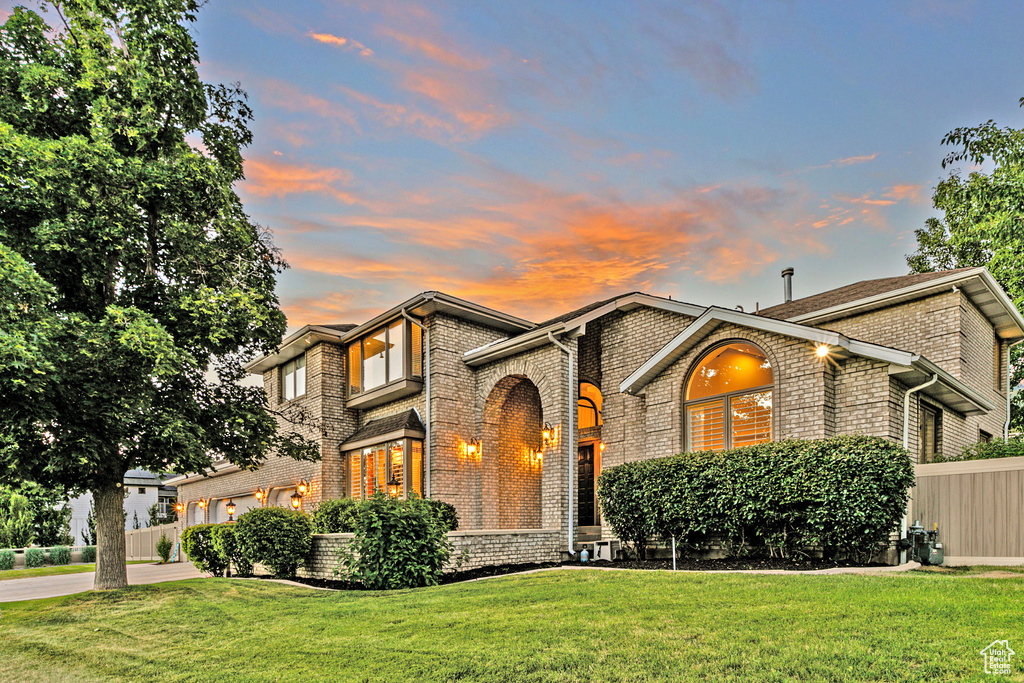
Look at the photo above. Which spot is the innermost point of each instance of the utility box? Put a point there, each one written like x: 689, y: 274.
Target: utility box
x: 605, y: 550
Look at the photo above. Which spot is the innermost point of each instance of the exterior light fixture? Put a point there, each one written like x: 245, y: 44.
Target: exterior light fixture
x: 201, y: 503
x: 393, y: 487
x: 179, y: 508
x: 231, y: 510
x: 822, y: 351
x: 303, y: 486
x: 549, y: 434
x: 602, y: 446
x: 473, y: 449
x: 296, y: 500
x: 261, y: 495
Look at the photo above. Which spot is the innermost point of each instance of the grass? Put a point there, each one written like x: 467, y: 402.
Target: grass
x: 551, y: 626
x: 54, y: 570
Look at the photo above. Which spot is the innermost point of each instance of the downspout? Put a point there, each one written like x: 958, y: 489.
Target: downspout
x: 571, y: 433
x: 906, y: 445
x: 1006, y: 425
x: 426, y: 379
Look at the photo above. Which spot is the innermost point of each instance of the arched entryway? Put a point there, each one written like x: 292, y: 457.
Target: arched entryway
x: 511, y: 461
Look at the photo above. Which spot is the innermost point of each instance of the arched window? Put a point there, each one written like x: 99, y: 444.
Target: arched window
x: 588, y: 408
x: 728, y: 400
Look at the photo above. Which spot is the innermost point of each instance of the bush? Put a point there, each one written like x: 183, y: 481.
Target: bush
x: 225, y: 543
x: 843, y: 495
x: 34, y: 557
x: 278, y: 538
x: 60, y: 554
x: 444, y: 513
x: 197, y: 544
x: 6, y: 560
x: 996, y: 448
x: 398, y: 544
x: 334, y: 517
x: 163, y: 548
x: 89, y: 554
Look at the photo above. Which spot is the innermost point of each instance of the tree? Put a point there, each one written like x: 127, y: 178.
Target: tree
x: 983, y: 221
x: 50, y: 512
x: 127, y: 263
x: 16, y: 522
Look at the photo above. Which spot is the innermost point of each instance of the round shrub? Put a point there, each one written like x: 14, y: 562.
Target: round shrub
x: 444, y: 513
x: 278, y: 538
x: 163, y: 548
x: 197, y: 543
x: 89, y: 554
x: 34, y: 557
x: 334, y: 517
x: 6, y: 560
x: 60, y: 554
x: 226, y: 546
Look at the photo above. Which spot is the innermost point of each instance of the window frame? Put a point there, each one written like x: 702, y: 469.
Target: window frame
x: 285, y: 378
x: 922, y: 408
x: 406, y: 352
x: 725, y: 398
x: 409, y: 481
x: 591, y: 405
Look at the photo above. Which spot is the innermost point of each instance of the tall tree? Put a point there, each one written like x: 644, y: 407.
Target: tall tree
x: 127, y: 263
x: 983, y: 220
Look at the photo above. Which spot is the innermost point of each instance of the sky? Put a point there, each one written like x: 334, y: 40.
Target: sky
x: 538, y: 156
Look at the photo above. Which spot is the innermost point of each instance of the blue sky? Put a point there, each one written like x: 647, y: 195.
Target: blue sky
x: 536, y: 156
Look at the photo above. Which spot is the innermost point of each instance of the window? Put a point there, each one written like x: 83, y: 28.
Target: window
x: 999, y: 365
x: 142, y: 490
x: 984, y: 437
x: 728, y: 401
x: 588, y: 408
x: 388, y: 354
x: 293, y: 378
x: 930, y: 434
x: 396, y: 463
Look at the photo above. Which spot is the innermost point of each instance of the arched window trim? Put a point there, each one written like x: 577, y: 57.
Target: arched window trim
x: 591, y: 405
x: 726, y: 398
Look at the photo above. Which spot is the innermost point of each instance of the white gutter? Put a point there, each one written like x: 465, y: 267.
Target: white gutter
x: 426, y: 379
x: 1006, y: 425
x: 570, y: 434
x: 906, y: 445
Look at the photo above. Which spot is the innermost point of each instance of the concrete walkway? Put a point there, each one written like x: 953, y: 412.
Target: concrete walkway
x: 36, y: 587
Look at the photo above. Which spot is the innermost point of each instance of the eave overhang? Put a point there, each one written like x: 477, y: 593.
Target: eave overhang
x: 293, y: 346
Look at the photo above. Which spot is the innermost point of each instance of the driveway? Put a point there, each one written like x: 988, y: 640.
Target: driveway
x: 52, y: 586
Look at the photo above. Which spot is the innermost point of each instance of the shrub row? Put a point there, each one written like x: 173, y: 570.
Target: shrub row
x: 996, y: 448
x: 842, y: 495
x: 6, y: 560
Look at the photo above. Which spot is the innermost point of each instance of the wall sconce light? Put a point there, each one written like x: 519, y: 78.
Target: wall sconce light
x: 179, y: 508
x: 231, y: 510
x: 296, y: 500
x: 549, y: 434
x: 602, y: 446
x: 473, y: 450
x: 536, y: 457
x: 393, y: 487
x: 303, y: 486
x: 822, y: 350
x: 261, y: 495
x: 201, y: 503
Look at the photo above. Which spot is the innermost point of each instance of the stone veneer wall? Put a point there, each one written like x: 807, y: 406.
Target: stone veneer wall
x: 475, y: 549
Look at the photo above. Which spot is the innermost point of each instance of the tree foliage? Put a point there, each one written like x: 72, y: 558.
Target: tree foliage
x: 983, y: 219
x: 128, y: 266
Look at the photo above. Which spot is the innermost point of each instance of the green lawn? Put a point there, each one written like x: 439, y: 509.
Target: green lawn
x: 53, y: 570
x: 552, y: 626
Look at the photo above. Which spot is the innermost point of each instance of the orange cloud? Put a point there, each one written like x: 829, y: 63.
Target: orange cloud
x: 289, y: 98
x: 435, y: 52
x: 338, y: 41
x: 849, y: 161
x: 911, y: 193
x: 400, y: 115
x: 266, y: 178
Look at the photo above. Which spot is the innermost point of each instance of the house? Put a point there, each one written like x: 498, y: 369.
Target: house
x: 511, y: 421
x: 142, y: 489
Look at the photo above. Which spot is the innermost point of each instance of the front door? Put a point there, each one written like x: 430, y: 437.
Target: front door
x: 585, y: 482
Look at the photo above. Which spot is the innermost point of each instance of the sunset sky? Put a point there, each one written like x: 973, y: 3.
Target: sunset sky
x: 536, y: 156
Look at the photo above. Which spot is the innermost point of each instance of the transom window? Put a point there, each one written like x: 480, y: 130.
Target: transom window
x: 588, y: 408
x: 395, y: 464
x: 388, y: 354
x: 728, y: 400
x: 293, y: 378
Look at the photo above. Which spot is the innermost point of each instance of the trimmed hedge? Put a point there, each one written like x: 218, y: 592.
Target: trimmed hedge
x: 996, y: 448
x: 60, y: 554
x: 89, y: 554
x: 197, y: 544
x: 6, y: 560
x: 843, y: 495
x: 278, y: 538
x: 334, y: 517
x: 224, y: 542
x: 34, y: 557
x: 398, y: 544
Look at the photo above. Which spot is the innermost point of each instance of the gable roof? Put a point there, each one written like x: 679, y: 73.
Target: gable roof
x: 911, y: 369
x: 980, y: 287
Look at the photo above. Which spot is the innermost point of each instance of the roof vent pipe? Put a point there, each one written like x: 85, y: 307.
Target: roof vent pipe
x: 787, y: 279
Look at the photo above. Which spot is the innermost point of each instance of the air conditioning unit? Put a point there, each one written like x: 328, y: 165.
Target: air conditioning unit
x: 605, y: 550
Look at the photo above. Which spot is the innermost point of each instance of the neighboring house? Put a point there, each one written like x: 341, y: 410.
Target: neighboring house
x: 512, y: 421
x: 142, y: 490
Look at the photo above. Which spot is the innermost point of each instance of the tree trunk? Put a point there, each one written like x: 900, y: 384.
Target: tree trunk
x: 111, y: 571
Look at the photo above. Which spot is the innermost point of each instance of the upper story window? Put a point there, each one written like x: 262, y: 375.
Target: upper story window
x: 388, y: 354
x: 293, y: 378
x: 728, y: 400
x: 588, y: 408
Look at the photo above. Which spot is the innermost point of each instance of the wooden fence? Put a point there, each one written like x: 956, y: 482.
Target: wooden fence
x: 979, y: 507
x: 140, y: 544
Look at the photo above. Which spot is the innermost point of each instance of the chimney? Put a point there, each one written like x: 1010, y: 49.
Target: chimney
x: 787, y: 279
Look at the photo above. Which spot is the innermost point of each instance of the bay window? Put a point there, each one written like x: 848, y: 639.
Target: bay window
x: 378, y: 467
x: 390, y: 356
x: 728, y: 401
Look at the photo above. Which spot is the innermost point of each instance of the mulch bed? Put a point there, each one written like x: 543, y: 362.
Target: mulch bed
x: 730, y: 563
